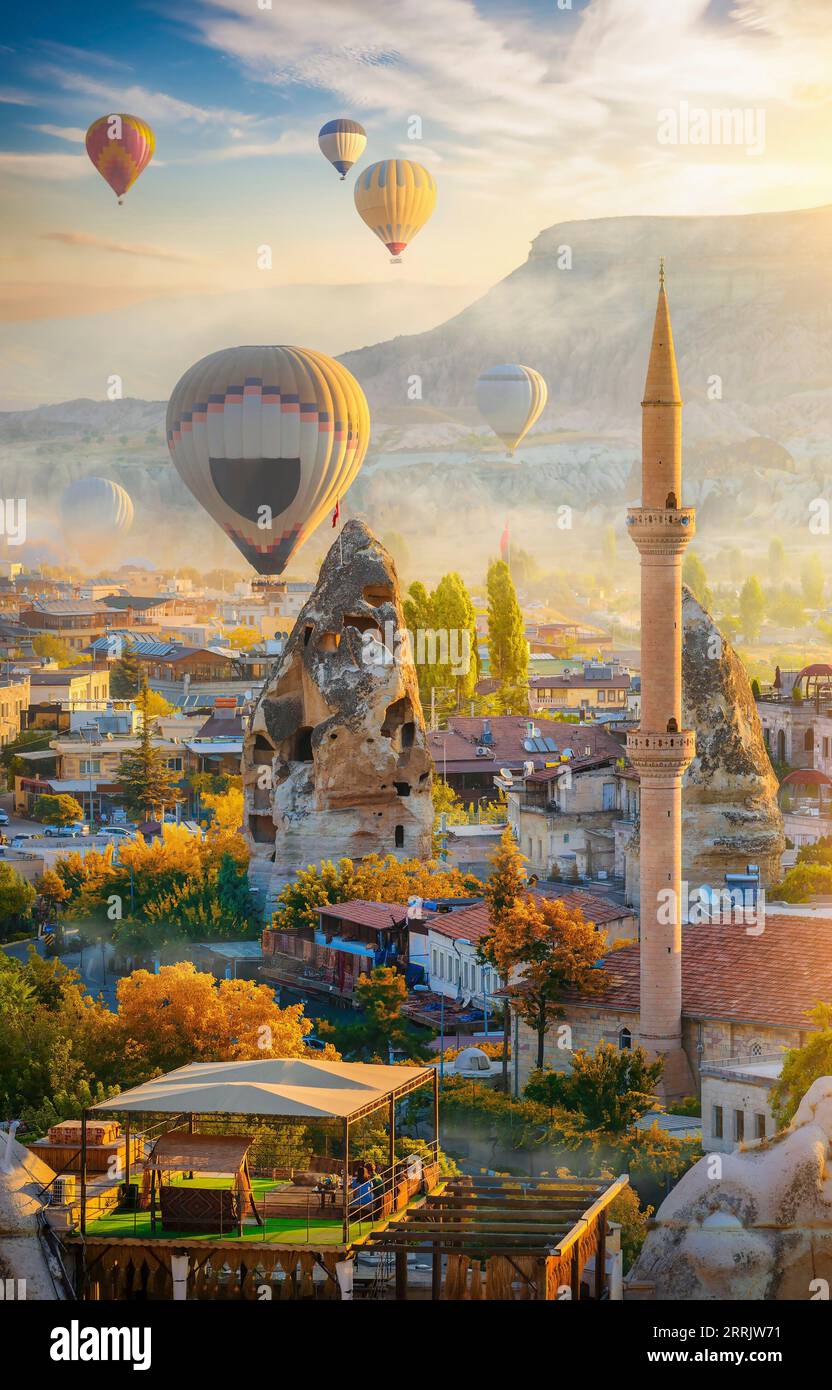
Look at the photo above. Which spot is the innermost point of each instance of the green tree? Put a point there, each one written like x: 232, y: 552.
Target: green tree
x: 508, y: 649
x: 58, y: 810
x: 812, y: 580
x: 379, y: 997
x: 752, y: 608
x: 443, y: 627
x: 803, y: 1065
x: 693, y: 574
x: 610, y: 1087
x: 147, y: 784
x: 17, y: 898
x: 125, y: 677
x: 776, y: 560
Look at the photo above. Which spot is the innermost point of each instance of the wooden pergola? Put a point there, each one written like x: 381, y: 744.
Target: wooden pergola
x: 490, y: 1235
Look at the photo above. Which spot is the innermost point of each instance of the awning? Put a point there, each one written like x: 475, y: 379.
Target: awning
x: 289, y: 1087
x: 199, y: 1153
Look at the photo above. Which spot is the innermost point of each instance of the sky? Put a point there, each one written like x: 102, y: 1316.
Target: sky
x: 530, y: 114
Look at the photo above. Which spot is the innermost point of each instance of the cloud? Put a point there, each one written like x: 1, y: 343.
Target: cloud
x: 11, y: 98
x: 153, y: 106
x: 72, y: 133
x: 45, y: 166
x: 120, y: 248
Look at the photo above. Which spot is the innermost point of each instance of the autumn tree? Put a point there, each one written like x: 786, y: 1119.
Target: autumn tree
x: 57, y: 810
x: 147, y: 784
x: 17, y: 898
x: 555, y: 951
x: 382, y: 1027
x: 508, y: 650
x: 505, y: 885
x: 373, y: 879
x: 183, y: 1015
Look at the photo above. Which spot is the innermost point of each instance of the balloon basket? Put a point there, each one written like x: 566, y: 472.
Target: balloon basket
x: 395, y: 260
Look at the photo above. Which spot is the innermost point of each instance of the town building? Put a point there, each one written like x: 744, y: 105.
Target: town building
x: 72, y: 686
x: 573, y: 820
x: 14, y: 701
x: 187, y: 677
x: 472, y: 754
x: 747, y: 994
x: 75, y: 622
x: 350, y: 939
x: 796, y: 719
x: 592, y: 689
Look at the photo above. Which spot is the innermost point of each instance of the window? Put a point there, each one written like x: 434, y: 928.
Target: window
x: 759, y: 1126
x: 399, y: 836
x: 89, y: 765
x: 174, y: 764
x: 716, y: 1121
x: 566, y: 839
x: 608, y: 793
x: 625, y: 1039
x: 435, y: 966
x: 826, y: 747
x: 441, y: 965
x: 739, y: 1126
x: 602, y: 697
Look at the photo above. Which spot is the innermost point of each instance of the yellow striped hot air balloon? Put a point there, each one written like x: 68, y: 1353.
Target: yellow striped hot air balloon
x: 342, y: 142
x: 96, y: 514
x: 395, y: 198
x: 512, y: 398
x: 268, y: 439
x: 120, y: 147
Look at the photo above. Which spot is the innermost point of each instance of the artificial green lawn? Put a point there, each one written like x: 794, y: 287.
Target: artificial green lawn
x: 285, y: 1230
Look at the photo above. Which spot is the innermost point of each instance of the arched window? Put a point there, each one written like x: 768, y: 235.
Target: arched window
x: 756, y: 1049
x: 670, y: 501
x: 625, y: 1039
x: 672, y: 726
x: 809, y: 741
x: 399, y: 836
x: 781, y: 746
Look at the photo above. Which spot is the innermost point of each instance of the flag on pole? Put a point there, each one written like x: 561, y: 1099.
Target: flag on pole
x: 504, y: 543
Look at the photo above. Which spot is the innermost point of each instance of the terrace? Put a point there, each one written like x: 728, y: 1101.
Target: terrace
x: 194, y: 1194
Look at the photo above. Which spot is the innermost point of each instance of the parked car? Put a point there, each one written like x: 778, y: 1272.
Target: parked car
x: 21, y: 841
x: 119, y: 832
x: 71, y: 831
x: 4, y: 817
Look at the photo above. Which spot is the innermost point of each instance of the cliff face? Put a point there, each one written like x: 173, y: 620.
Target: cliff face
x: 759, y: 1231
x: 730, y: 815
x: 335, y: 761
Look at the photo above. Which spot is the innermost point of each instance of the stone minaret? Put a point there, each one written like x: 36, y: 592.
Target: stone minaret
x: 660, y: 749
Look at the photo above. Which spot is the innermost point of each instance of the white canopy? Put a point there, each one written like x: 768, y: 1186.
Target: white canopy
x: 291, y: 1087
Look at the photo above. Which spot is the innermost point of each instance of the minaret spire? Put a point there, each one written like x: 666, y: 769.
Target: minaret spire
x: 660, y: 749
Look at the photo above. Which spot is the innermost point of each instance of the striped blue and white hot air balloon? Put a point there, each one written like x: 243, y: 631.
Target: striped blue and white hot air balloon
x: 342, y: 142
x: 268, y: 439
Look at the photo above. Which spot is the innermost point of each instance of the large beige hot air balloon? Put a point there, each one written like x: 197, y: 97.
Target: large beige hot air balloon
x: 268, y: 439
x: 512, y: 398
x: 96, y: 515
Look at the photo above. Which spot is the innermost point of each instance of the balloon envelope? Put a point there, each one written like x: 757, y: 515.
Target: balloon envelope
x: 268, y: 439
x: 395, y: 198
x: 120, y: 147
x: 511, y: 398
x: 96, y: 513
x: 342, y: 142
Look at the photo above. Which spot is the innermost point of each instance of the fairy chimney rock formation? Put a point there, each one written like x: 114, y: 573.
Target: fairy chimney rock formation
x: 730, y: 813
x: 760, y: 1227
x: 335, y: 761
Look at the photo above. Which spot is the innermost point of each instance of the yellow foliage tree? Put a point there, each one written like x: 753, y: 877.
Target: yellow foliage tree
x: 183, y: 1015
x: 374, y: 879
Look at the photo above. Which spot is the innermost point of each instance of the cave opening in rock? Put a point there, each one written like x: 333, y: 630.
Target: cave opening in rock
x: 399, y: 724
x: 376, y: 594
x: 399, y: 837
x: 261, y: 829
x: 402, y: 788
x: 329, y: 641
x: 301, y: 750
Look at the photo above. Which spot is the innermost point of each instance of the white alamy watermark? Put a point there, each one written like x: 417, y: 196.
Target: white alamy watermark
x: 13, y: 519
x: 735, y: 906
x: 741, y: 126
x: 426, y: 647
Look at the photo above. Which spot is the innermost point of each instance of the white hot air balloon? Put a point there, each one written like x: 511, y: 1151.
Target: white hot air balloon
x: 96, y: 514
x: 268, y: 439
x: 511, y: 398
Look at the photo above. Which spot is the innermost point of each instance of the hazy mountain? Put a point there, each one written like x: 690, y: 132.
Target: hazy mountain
x: 750, y: 306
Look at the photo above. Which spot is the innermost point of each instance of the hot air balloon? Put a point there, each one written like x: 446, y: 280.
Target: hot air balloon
x: 395, y: 198
x: 120, y: 147
x: 268, y: 439
x: 96, y: 513
x: 342, y: 142
x: 511, y: 398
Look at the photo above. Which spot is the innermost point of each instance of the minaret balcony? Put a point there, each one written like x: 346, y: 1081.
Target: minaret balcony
x: 661, y: 530
x: 661, y: 754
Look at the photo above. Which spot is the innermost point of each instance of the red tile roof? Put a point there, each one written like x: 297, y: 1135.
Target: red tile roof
x: 473, y: 923
x: 366, y: 914
x: 458, y: 743
x: 771, y: 979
